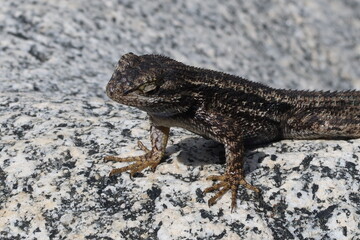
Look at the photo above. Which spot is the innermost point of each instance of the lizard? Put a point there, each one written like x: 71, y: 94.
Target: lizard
x: 229, y: 109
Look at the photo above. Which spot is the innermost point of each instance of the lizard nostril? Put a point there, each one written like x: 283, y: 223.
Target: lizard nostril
x: 124, y: 80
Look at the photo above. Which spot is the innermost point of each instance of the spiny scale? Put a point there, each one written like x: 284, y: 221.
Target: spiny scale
x: 226, y: 108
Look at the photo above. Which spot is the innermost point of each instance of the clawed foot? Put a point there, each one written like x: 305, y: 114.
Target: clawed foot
x: 227, y: 182
x: 149, y: 159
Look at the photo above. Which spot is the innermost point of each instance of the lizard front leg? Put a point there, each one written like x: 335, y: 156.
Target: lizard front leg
x: 159, y: 138
x: 233, y: 177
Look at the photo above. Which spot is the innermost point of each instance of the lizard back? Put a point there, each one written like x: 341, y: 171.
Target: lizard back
x: 175, y: 94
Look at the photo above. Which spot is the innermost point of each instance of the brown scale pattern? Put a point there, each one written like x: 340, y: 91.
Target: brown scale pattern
x: 229, y: 109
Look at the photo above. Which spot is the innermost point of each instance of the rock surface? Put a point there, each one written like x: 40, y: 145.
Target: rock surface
x: 56, y: 123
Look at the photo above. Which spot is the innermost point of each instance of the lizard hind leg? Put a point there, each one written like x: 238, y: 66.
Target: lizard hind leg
x: 233, y: 177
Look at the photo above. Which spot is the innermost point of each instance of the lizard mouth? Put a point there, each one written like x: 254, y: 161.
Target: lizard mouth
x: 114, y: 89
x: 124, y: 94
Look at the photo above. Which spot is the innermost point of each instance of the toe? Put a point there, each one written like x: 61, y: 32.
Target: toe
x: 215, y: 187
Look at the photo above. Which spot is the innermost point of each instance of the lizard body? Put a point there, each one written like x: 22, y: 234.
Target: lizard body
x: 229, y: 109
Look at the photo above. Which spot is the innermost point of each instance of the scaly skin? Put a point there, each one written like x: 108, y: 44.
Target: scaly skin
x: 229, y: 109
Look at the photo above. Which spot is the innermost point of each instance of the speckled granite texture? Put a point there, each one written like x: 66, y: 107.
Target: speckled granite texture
x: 56, y: 123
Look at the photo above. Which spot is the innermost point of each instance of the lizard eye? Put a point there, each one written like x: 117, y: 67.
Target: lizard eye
x: 148, y: 88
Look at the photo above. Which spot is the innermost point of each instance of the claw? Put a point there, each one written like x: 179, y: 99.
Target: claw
x: 216, y: 197
x: 142, y: 147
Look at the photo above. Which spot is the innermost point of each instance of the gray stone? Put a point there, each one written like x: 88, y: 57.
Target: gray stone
x: 56, y: 123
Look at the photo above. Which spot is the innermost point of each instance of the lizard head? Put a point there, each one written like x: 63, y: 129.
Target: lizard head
x: 146, y: 82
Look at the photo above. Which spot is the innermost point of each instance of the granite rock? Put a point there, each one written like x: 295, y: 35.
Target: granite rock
x: 56, y: 123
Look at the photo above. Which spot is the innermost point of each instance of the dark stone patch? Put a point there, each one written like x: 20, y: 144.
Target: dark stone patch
x: 199, y: 196
x: 206, y: 214
x: 126, y: 132
x: 324, y: 215
x: 277, y: 175
x: 314, y: 189
x: 108, y: 125
x: 306, y: 161
x: 154, y: 192
x: 38, y: 54
x: 351, y: 169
